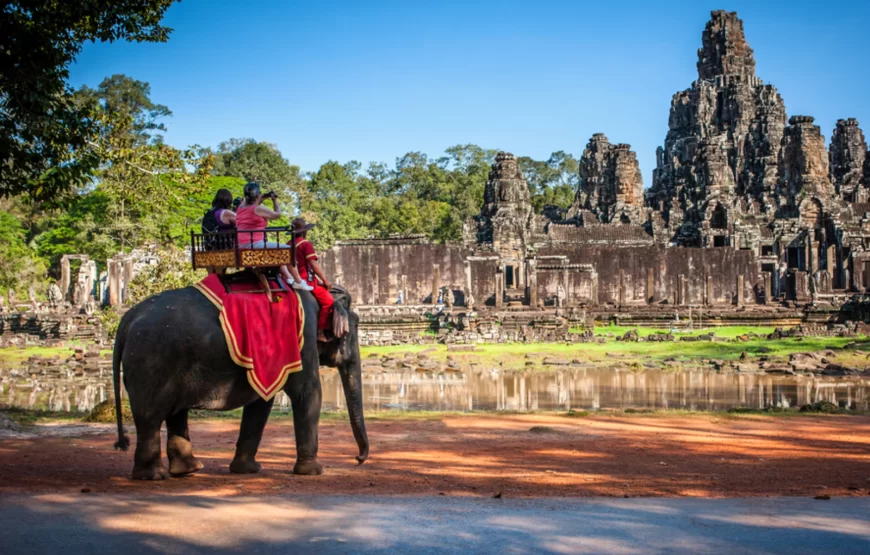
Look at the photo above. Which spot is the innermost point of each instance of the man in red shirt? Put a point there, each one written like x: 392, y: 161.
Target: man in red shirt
x: 310, y: 272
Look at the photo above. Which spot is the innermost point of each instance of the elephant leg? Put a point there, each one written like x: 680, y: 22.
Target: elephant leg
x: 181, y: 459
x: 306, y: 399
x: 147, y: 461
x: 254, y: 418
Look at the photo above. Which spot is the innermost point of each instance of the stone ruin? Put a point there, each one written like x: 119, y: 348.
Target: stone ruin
x: 72, y: 303
x: 748, y: 217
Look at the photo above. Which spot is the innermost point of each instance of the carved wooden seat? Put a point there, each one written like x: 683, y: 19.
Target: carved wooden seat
x: 222, y: 250
x: 235, y: 249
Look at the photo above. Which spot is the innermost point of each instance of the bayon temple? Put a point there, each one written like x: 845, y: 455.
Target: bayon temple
x: 748, y: 213
x: 749, y: 218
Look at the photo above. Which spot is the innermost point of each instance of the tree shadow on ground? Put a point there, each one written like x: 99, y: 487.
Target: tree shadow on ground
x: 518, y: 456
x: 341, y: 524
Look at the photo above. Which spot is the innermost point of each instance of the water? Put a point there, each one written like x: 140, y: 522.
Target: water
x: 59, y: 389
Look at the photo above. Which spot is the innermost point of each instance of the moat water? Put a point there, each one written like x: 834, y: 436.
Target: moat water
x: 59, y: 389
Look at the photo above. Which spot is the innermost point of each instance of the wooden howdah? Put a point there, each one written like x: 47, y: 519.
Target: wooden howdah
x: 235, y: 249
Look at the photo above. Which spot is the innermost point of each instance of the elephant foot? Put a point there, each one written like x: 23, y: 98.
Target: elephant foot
x: 309, y: 468
x: 240, y: 466
x: 184, y: 465
x: 150, y: 473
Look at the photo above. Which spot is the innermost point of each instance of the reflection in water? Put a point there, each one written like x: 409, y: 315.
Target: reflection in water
x: 521, y: 391
x: 597, y: 389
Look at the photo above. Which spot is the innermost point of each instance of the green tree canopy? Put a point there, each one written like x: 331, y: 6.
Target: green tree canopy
x: 44, y: 131
x: 17, y: 265
x: 551, y: 182
x: 143, y: 178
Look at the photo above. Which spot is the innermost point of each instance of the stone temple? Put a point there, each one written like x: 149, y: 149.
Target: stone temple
x: 747, y: 213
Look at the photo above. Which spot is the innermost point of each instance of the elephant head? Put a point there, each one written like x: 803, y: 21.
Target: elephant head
x: 343, y: 353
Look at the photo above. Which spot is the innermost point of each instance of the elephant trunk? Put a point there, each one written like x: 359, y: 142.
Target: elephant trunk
x: 351, y: 380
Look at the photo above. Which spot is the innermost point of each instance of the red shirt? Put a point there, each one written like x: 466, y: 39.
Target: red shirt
x: 304, y: 254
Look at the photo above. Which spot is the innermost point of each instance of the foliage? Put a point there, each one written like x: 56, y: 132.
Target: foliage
x: 104, y: 412
x: 82, y: 229
x: 173, y: 271
x: 142, y: 177
x: 44, y: 131
x: 553, y: 182
x: 257, y: 161
x: 110, y: 319
x: 18, y: 265
x: 262, y: 162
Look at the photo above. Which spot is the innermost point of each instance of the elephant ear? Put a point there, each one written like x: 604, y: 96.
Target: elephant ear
x: 340, y: 317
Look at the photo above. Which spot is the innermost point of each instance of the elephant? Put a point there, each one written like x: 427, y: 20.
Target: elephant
x: 175, y: 358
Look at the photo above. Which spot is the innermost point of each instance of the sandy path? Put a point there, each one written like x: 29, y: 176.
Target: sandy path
x: 705, y: 456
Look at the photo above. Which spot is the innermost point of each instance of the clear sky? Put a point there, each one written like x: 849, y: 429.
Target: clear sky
x: 370, y: 81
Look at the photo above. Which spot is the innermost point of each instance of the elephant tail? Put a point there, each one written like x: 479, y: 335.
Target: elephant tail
x: 123, y: 442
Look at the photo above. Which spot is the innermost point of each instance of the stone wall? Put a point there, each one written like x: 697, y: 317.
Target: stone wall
x: 375, y: 271
x: 21, y: 329
x: 657, y: 274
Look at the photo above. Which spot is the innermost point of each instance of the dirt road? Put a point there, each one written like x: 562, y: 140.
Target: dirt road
x: 482, y: 456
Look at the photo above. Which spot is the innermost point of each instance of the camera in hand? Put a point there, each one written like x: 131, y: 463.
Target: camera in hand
x: 271, y: 194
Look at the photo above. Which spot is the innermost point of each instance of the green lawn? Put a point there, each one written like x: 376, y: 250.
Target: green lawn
x: 729, y: 332
x: 15, y: 355
x: 29, y: 417
x: 509, y: 354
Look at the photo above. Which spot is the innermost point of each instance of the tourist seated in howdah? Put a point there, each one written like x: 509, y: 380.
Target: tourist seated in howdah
x: 219, y: 218
x: 251, y: 223
x: 312, y: 273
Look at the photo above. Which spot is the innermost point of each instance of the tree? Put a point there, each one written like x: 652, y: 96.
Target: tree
x: 339, y: 203
x: 552, y: 182
x: 44, y: 132
x: 261, y: 162
x: 18, y: 265
x: 141, y: 175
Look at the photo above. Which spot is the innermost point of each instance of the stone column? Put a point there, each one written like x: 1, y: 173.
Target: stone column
x: 64, y: 276
x: 740, y: 300
x: 376, y: 285
x: 682, y: 290
x: 708, y: 297
x: 436, y: 282
x: 532, y: 270
x: 565, y: 282
x: 594, y: 288
x: 404, y: 289
x: 621, y: 292
x: 650, y: 286
x: 127, y: 277
x: 92, y: 278
x: 103, y: 283
x: 499, y: 286
x: 809, y: 255
x: 114, y: 284
x: 468, y: 277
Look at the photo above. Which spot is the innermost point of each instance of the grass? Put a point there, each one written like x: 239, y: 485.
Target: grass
x: 514, y: 354
x: 15, y: 355
x: 729, y: 332
x: 30, y: 417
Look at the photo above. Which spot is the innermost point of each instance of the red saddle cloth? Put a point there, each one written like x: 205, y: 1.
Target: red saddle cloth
x: 262, y: 336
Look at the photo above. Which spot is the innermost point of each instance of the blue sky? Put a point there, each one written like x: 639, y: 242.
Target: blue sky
x: 370, y: 81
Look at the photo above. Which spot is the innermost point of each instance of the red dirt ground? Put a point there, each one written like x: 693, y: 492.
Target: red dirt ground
x: 705, y: 456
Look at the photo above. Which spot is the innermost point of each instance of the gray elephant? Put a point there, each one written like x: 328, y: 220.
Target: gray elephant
x: 175, y: 358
